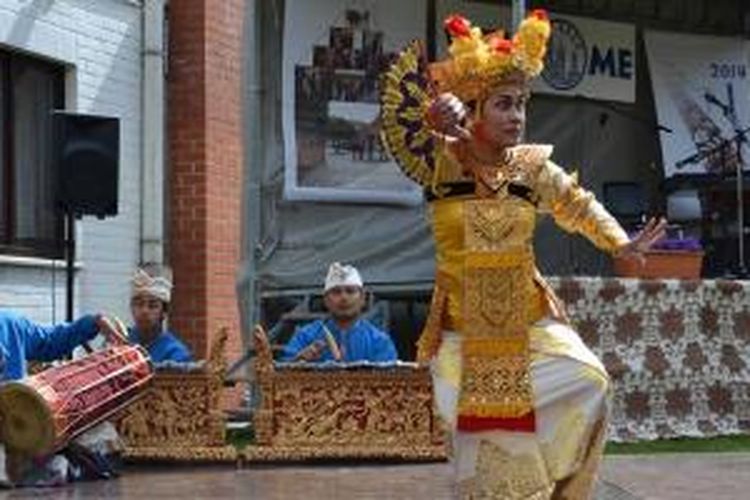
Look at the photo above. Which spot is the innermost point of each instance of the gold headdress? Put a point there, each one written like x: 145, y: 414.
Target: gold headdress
x: 476, y: 64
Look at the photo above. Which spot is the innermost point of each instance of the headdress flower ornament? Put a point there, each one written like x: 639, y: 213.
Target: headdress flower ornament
x: 479, y: 62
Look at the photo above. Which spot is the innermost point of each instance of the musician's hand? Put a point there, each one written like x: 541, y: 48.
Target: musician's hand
x: 313, y: 351
x: 259, y: 335
x: 447, y: 115
x: 654, y: 230
x: 112, y: 329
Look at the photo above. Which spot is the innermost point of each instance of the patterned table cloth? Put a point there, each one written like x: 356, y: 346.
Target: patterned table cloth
x: 678, y: 352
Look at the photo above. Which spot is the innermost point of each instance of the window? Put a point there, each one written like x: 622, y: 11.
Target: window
x: 30, y: 89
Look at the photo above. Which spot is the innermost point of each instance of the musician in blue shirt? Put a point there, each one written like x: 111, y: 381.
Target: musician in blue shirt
x: 22, y: 340
x: 149, y: 304
x: 343, y: 336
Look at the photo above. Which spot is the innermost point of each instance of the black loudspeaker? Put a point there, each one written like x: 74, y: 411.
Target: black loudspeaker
x: 87, y: 156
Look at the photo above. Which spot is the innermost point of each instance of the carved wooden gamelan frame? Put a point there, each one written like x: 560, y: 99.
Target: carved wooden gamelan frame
x: 360, y: 413
x: 304, y: 413
x: 180, y: 417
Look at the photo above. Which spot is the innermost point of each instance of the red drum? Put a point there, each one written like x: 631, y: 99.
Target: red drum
x: 42, y: 413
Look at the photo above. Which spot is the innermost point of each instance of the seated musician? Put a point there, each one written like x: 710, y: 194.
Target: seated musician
x: 343, y: 336
x: 21, y: 341
x: 149, y: 304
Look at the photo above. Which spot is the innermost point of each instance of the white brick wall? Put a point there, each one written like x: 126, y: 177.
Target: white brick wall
x: 36, y: 289
x: 100, y: 42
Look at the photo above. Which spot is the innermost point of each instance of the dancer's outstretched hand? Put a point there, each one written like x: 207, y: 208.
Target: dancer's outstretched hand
x: 654, y: 230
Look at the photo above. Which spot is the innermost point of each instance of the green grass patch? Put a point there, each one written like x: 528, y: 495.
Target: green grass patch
x: 707, y: 445
x: 246, y: 436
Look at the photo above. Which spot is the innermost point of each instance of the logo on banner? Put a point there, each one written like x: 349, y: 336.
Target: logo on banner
x: 567, y: 56
x: 581, y: 56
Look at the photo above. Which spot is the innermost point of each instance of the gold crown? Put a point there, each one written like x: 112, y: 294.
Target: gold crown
x: 477, y: 62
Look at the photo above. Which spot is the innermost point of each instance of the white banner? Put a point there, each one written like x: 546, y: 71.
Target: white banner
x: 334, y: 54
x: 589, y: 58
x: 703, y: 97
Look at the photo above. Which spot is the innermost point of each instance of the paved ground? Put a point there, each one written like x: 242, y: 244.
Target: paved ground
x: 705, y: 476
x: 662, y: 477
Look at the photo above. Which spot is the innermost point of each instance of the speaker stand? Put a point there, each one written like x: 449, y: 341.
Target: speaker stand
x: 70, y: 257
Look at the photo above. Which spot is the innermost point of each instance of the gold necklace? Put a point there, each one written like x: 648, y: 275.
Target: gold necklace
x: 492, y: 176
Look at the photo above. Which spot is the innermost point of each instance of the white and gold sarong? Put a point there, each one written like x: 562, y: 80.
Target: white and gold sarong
x: 559, y: 460
x: 525, y: 398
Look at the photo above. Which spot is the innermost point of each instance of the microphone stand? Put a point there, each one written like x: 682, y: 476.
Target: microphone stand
x: 741, y: 268
x: 739, y: 138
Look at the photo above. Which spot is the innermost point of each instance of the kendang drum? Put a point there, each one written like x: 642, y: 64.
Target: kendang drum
x: 42, y: 413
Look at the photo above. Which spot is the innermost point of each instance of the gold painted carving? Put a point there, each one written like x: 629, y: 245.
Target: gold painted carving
x: 180, y: 418
x: 362, y: 412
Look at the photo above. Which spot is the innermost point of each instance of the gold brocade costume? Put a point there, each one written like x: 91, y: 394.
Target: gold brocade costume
x: 525, y: 398
x: 499, y: 340
x: 487, y: 286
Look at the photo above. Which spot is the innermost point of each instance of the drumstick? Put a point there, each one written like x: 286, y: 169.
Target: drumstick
x: 332, y: 345
x: 114, y: 329
x: 318, y: 344
x: 121, y: 330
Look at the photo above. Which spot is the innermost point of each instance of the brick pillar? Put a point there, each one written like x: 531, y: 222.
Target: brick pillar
x: 205, y: 167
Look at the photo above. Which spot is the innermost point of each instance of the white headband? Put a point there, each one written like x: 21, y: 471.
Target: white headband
x: 144, y: 284
x: 339, y: 275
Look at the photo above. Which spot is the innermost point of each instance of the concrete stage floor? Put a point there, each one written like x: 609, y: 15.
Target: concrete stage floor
x: 723, y: 476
